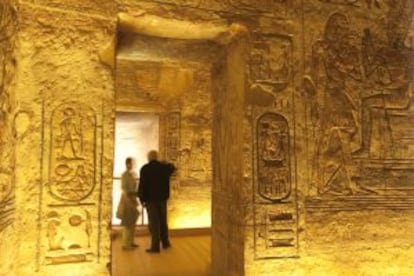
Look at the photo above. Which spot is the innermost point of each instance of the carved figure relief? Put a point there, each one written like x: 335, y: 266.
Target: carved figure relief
x: 273, y: 157
x: 72, y: 152
x: 360, y: 89
x: 335, y: 64
x: 270, y: 62
x: 69, y: 237
x: 69, y: 200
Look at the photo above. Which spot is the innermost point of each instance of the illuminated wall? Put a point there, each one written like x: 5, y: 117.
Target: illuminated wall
x: 311, y: 129
x: 57, y: 139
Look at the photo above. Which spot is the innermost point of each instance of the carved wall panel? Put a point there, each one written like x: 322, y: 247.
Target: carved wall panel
x: 360, y: 94
x: 70, y: 202
x: 270, y: 61
x: 172, y: 137
x: 72, y: 153
x: 275, y: 211
x: 274, y: 162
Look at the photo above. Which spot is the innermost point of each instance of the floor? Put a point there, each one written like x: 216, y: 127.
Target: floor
x: 189, y: 256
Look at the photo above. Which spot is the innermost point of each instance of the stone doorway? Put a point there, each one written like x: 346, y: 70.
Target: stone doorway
x: 195, y: 83
x: 135, y: 134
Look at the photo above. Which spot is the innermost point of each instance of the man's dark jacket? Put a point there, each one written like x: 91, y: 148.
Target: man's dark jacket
x: 154, y: 182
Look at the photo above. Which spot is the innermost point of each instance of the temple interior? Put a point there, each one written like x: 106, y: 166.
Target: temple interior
x: 290, y: 123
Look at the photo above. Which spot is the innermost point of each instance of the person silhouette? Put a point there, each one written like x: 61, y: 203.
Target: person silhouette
x: 154, y: 192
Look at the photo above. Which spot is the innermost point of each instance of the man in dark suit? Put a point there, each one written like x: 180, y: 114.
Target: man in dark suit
x: 153, y: 192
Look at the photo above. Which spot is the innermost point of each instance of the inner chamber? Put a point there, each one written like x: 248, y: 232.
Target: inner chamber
x: 164, y: 103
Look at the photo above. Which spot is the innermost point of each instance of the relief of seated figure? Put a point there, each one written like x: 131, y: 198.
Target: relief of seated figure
x: 388, y: 88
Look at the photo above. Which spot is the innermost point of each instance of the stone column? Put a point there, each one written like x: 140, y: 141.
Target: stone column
x: 227, y: 200
x: 64, y: 98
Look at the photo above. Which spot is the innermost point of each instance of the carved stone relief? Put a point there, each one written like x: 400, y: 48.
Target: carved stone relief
x: 172, y: 137
x: 274, y: 162
x: 270, y: 62
x: 360, y: 90
x: 68, y: 236
x: 72, y: 155
x: 70, y: 199
x: 275, y: 215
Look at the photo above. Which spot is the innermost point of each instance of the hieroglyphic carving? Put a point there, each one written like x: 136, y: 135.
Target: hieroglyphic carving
x: 271, y: 61
x: 274, y: 157
x: 69, y: 201
x: 276, y: 231
x: 7, y: 19
x: 72, y: 152
x: 275, y: 224
x: 361, y: 87
x: 68, y: 237
x: 172, y: 137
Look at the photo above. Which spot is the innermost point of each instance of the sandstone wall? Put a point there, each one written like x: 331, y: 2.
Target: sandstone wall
x: 327, y: 141
x: 64, y: 100
x: 8, y: 138
x: 312, y: 154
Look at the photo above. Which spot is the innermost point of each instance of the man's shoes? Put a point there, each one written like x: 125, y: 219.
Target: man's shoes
x: 152, y: 251
x: 166, y: 245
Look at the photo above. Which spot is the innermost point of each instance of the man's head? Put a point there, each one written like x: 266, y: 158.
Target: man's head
x: 152, y: 155
x: 129, y: 162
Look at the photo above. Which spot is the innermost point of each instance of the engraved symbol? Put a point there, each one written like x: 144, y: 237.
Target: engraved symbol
x: 273, y: 160
x: 72, y: 152
x: 71, y: 136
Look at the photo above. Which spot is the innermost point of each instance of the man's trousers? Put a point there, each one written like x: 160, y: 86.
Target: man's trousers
x: 157, y: 217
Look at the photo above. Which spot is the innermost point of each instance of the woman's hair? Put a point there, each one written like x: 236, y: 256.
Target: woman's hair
x: 128, y: 160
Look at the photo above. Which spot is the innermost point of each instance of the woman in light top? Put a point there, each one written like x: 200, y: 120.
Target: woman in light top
x: 127, y: 208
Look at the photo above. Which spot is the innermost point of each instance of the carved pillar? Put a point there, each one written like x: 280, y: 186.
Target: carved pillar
x: 228, y: 113
x: 63, y: 172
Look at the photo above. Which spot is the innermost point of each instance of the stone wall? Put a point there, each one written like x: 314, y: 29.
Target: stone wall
x: 312, y: 153
x: 327, y: 144
x: 64, y: 99
x: 7, y: 134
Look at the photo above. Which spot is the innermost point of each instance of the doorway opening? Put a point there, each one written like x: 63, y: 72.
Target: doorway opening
x: 135, y: 134
x: 166, y: 70
x: 165, y: 103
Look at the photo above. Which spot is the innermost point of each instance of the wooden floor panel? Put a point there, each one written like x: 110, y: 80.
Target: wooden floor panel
x: 189, y: 256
